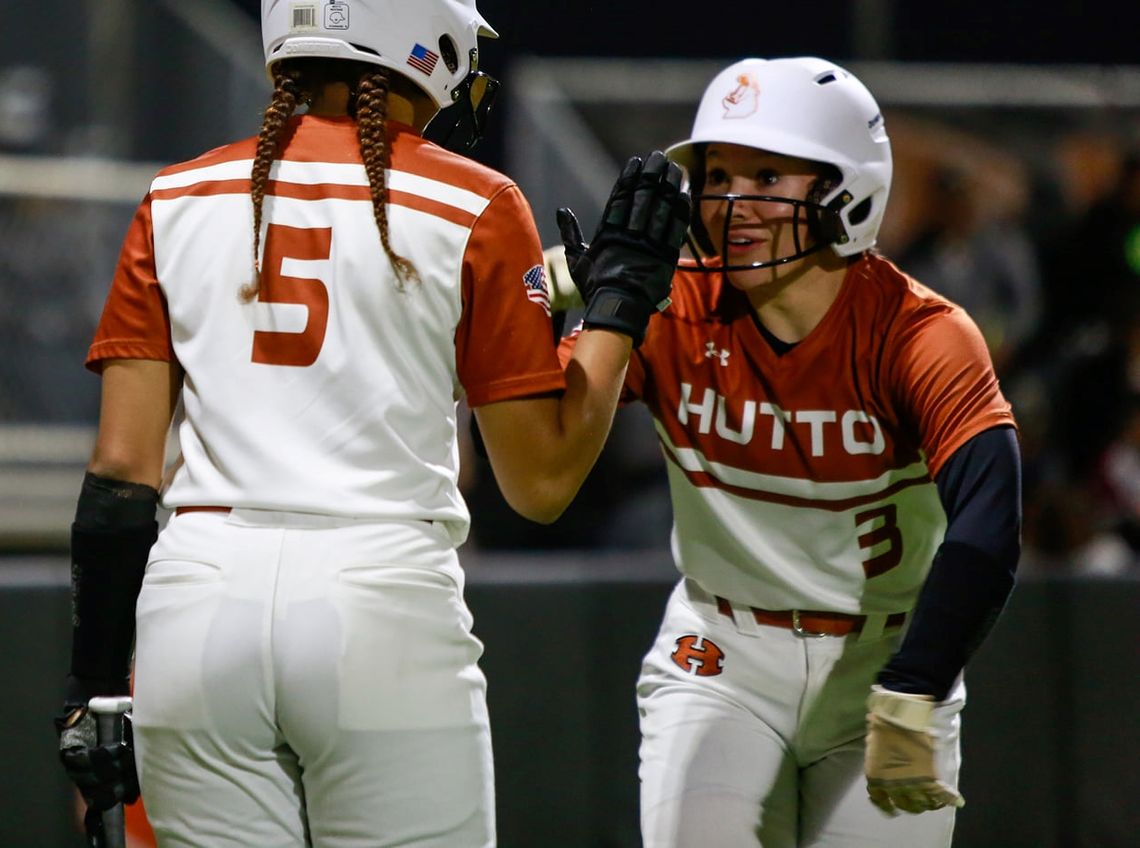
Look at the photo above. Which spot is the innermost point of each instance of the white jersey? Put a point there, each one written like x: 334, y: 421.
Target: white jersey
x: 335, y: 391
x: 805, y: 481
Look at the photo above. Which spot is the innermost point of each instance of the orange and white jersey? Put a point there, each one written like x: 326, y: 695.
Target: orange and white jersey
x: 804, y: 481
x: 335, y: 391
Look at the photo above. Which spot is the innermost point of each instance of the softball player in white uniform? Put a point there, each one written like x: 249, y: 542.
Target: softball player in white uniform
x: 305, y: 671
x: 831, y: 429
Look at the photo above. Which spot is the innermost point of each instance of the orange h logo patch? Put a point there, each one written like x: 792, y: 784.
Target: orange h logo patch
x: 698, y: 655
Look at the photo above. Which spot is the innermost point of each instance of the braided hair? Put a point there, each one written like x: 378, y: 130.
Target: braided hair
x: 371, y: 106
x: 295, y: 81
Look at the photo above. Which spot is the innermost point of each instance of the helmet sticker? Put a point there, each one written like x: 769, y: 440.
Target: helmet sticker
x: 336, y: 16
x: 422, y: 59
x: 302, y: 17
x: 744, y: 99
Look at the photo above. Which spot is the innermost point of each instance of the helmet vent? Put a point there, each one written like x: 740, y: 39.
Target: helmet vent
x: 364, y: 49
x: 860, y: 213
x: 448, y: 53
x: 827, y: 76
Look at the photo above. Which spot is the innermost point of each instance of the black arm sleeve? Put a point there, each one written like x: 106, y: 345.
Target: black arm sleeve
x: 973, y: 571
x: 111, y: 538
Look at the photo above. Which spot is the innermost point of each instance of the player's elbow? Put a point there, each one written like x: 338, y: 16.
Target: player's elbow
x: 539, y: 516
x: 125, y: 465
x: 540, y: 500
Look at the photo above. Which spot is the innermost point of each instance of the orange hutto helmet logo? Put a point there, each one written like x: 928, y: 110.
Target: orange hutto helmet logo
x: 744, y: 98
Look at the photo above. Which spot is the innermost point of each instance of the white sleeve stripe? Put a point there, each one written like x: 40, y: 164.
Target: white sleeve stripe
x: 236, y: 170
x: 692, y: 460
x: 460, y: 198
x: 317, y: 173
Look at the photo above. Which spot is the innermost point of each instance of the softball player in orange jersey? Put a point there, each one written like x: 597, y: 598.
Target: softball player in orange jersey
x: 309, y: 305
x: 844, y: 470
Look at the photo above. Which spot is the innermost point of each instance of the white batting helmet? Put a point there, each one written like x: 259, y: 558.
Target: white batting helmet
x: 434, y: 43
x: 809, y: 108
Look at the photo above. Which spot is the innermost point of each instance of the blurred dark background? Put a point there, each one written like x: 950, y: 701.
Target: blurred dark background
x: 1016, y: 133
x: 967, y: 31
x: 1015, y: 31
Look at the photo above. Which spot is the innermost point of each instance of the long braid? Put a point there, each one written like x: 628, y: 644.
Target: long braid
x: 286, y: 93
x: 372, y: 125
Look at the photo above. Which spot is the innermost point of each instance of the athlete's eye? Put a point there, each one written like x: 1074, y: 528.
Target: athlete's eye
x: 716, y: 177
x: 767, y: 177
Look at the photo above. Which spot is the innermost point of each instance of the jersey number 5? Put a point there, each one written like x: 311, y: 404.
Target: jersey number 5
x: 271, y: 347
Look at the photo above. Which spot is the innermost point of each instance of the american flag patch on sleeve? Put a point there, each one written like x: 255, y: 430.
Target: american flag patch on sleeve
x: 423, y: 59
x: 535, y: 281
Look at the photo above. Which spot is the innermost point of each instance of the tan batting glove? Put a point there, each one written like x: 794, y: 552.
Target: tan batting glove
x: 564, y: 295
x: 900, y: 755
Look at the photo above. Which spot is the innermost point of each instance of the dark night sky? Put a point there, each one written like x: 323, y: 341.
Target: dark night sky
x: 1060, y: 31
x: 999, y: 31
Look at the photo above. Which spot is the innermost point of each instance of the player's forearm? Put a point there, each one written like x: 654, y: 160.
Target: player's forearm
x: 111, y: 538
x: 959, y: 604
x: 541, y: 450
x: 973, y: 571
x: 594, y: 378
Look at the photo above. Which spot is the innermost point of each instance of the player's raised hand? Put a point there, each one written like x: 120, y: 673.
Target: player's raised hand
x: 900, y: 767
x: 625, y: 274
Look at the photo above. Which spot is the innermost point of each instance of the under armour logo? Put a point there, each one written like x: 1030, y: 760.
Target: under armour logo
x: 711, y: 352
x: 697, y: 655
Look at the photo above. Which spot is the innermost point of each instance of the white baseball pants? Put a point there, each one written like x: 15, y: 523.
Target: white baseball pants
x: 306, y: 680
x: 768, y: 751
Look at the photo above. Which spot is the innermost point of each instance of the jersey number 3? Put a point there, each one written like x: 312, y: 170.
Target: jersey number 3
x: 888, y: 532
x: 282, y: 244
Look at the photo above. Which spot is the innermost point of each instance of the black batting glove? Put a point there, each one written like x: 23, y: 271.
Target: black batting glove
x: 625, y: 274
x: 105, y: 774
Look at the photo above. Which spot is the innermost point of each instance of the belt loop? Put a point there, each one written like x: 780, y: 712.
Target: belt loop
x: 700, y: 599
x: 746, y: 621
x: 873, y: 625
x: 724, y: 607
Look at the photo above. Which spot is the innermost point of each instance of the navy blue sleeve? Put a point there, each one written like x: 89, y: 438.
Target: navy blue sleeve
x: 973, y: 570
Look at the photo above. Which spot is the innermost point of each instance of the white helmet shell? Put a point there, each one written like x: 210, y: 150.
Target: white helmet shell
x: 406, y: 36
x: 812, y: 109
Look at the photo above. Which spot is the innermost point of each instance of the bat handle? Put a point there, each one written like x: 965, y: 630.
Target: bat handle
x: 109, y: 728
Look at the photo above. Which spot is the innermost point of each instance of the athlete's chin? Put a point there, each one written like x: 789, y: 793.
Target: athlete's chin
x: 747, y: 280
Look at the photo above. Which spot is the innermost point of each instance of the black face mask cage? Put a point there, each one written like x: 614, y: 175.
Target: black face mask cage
x: 460, y: 126
x: 823, y: 223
